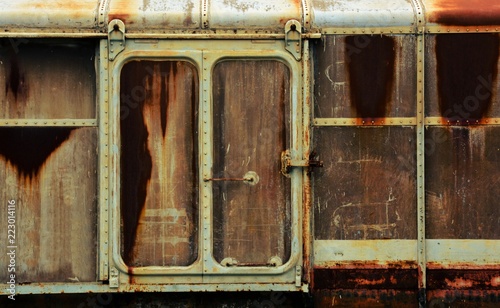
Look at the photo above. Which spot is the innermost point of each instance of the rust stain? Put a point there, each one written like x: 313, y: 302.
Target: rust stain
x: 465, y: 12
x: 371, y: 75
x: 27, y: 148
x: 136, y: 161
x: 467, y: 71
x: 451, y: 279
x: 356, y: 278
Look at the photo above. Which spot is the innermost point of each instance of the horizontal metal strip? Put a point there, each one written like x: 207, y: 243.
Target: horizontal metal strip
x: 370, y: 31
x: 364, y: 121
x: 374, y: 252
x: 56, y: 288
x: 27, y: 33
x: 461, y: 122
x: 219, y: 34
x: 48, y: 122
x: 461, y: 29
x: 448, y: 253
x: 454, y: 253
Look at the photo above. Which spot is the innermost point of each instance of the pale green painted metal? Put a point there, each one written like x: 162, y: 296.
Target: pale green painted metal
x: 421, y: 249
x: 49, y: 122
x: 104, y: 162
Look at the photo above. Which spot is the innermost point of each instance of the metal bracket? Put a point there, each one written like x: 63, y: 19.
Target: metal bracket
x: 293, y: 38
x: 116, y: 38
x: 288, y: 163
x: 114, y: 278
x: 298, y: 276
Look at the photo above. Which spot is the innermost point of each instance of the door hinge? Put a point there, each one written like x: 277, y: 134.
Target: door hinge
x: 287, y: 163
x: 116, y: 38
x: 293, y: 38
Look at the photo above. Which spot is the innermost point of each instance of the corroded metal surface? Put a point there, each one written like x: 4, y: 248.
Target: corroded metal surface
x: 461, y: 77
x: 159, y: 160
x: 463, y: 12
x: 39, y: 15
x: 139, y: 15
x: 363, y: 13
x: 37, y: 74
x: 251, y: 108
x: 52, y: 175
x: 366, y: 189
x: 365, y: 77
x: 462, y: 169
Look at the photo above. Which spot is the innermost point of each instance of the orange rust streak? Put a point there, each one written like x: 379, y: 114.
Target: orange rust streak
x: 464, y: 12
x: 459, y: 283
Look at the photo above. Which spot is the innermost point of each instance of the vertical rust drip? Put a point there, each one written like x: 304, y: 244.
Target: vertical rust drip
x: 467, y: 71
x: 27, y: 148
x: 371, y: 74
x: 136, y: 162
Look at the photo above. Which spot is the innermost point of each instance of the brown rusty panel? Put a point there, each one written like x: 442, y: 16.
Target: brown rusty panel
x: 461, y: 175
x: 461, y: 81
x: 159, y: 163
x: 365, y: 76
x: 365, y: 298
x: 470, y: 298
x: 390, y: 278
x: 51, y: 174
x: 463, y: 12
x: 41, y: 79
x: 451, y: 279
x: 251, y: 122
x: 367, y: 187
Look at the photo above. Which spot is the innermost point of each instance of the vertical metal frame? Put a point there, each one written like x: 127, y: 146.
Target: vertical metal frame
x: 210, y: 59
x: 144, y: 52
x: 205, y: 270
x: 104, y: 162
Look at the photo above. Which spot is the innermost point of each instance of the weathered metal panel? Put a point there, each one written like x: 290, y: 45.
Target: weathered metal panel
x: 252, y: 220
x: 362, y: 13
x: 365, y: 77
x: 365, y: 298
x: 462, y: 169
x: 51, y: 174
x: 159, y: 163
x: 367, y: 187
x: 365, y: 278
x: 460, y: 13
x: 152, y: 15
x: 253, y: 14
x: 47, y: 79
x: 56, y: 16
x: 461, y: 78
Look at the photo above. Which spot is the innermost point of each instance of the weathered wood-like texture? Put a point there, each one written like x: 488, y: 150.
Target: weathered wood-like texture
x: 365, y: 76
x: 462, y: 183
x: 367, y: 187
x: 251, y: 122
x: 47, y: 80
x: 159, y: 163
x: 51, y: 173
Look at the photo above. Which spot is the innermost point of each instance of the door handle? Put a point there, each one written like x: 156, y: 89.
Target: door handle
x: 251, y: 178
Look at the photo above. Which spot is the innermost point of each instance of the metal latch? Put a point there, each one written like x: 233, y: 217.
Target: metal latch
x: 293, y: 38
x: 287, y: 163
x: 116, y: 38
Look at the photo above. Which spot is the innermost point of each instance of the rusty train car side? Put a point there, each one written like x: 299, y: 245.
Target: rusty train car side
x: 286, y: 153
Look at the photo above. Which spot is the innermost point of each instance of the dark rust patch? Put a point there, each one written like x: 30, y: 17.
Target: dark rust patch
x: 136, y: 162
x: 364, y: 298
x: 27, y: 148
x: 371, y: 74
x: 467, y: 71
x: 456, y: 279
x: 390, y: 278
x: 466, y: 12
